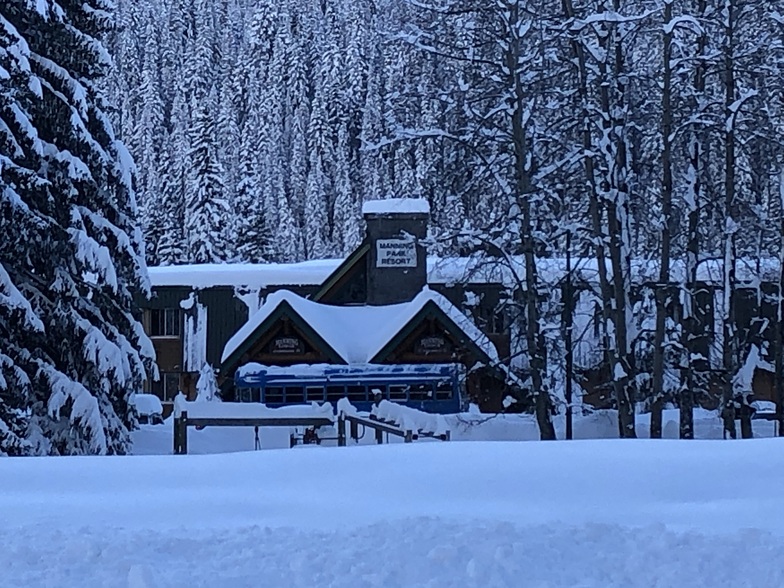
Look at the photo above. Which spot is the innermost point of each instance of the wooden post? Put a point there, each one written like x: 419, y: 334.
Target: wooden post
x: 354, y: 430
x: 379, y: 436
x: 176, y: 435
x: 341, y: 430
x: 184, y: 432
x: 409, y: 437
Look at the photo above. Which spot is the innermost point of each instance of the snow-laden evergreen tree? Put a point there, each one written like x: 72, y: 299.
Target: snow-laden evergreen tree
x: 206, y: 209
x: 207, y: 389
x: 346, y: 215
x: 149, y: 139
x: 72, y: 257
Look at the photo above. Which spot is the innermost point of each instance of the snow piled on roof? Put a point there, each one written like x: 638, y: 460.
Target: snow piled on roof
x: 358, y: 333
x: 479, y: 269
x: 239, y: 275
x: 396, y: 206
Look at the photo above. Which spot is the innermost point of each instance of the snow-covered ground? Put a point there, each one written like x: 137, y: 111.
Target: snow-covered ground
x: 487, y: 514
x: 157, y: 440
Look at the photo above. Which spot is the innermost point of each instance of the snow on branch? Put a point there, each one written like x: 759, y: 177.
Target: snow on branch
x: 96, y: 257
x: 84, y: 411
x: 11, y: 297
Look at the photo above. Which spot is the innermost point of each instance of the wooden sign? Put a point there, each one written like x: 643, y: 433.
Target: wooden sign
x: 396, y: 253
x: 287, y: 345
x: 432, y: 344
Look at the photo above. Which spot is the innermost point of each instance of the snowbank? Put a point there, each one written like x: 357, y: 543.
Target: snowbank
x: 410, y: 419
x: 146, y: 404
x: 628, y: 514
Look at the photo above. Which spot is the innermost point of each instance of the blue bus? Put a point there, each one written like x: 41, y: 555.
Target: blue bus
x: 435, y: 388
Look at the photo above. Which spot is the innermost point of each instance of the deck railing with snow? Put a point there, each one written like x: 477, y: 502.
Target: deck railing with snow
x: 240, y: 414
x: 393, y: 419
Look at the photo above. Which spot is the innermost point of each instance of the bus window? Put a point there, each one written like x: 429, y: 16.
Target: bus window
x: 398, y: 392
x: 356, y: 393
x: 273, y: 395
x: 314, y: 394
x: 444, y: 390
x: 295, y: 394
x: 420, y: 392
x: 335, y: 393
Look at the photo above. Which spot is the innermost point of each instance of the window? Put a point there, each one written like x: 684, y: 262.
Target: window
x: 334, y: 393
x: 248, y: 394
x: 420, y: 392
x: 356, y: 393
x: 444, y: 390
x: 314, y: 394
x: 167, y: 387
x: 273, y: 395
x: 165, y: 322
x: 295, y: 394
x: 398, y: 392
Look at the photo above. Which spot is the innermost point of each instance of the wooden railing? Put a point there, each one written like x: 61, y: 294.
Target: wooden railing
x: 182, y: 422
x: 371, y: 422
x: 380, y: 427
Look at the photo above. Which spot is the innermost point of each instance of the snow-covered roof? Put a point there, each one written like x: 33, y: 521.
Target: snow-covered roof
x: 396, y: 206
x: 359, y: 333
x: 238, y: 275
x: 443, y: 270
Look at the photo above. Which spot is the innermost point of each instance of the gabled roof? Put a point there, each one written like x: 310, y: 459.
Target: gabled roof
x: 357, y: 256
x: 357, y: 334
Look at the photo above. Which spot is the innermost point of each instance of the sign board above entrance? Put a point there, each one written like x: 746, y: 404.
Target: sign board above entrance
x: 396, y: 253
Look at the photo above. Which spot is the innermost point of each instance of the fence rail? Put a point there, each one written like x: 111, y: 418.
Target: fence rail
x: 380, y: 427
x: 182, y: 422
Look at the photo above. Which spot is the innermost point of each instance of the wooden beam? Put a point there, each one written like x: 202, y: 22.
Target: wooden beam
x: 260, y: 422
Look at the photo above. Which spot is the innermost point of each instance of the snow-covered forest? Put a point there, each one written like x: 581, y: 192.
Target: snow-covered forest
x: 258, y: 126
x: 643, y: 132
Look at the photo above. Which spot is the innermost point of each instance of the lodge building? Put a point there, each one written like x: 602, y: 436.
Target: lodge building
x: 385, y: 304
x: 389, y: 303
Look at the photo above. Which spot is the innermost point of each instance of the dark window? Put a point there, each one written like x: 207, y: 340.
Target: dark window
x: 167, y: 387
x: 295, y: 394
x: 398, y: 392
x: 356, y: 393
x: 165, y: 322
x: 420, y: 392
x: 335, y: 393
x: 273, y: 395
x: 315, y: 394
x: 248, y: 395
x: 444, y: 390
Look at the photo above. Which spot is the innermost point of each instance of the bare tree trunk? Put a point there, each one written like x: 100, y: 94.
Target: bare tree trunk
x: 611, y: 310
x: 689, y: 331
x: 617, y: 196
x: 730, y: 222
x: 779, y: 341
x: 534, y: 334
x: 568, y: 300
x: 662, y: 289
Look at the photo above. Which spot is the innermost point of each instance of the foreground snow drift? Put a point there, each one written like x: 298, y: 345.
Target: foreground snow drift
x: 593, y: 513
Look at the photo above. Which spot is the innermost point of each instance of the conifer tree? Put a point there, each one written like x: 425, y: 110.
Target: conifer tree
x: 73, y: 350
